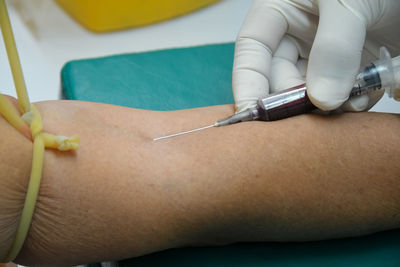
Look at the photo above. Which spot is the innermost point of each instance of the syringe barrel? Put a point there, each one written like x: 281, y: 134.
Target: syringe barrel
x: 283, y: 104
x: 383, y: 73
x: 367, y: 81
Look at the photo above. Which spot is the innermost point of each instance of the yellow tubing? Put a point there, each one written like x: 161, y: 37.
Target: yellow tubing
x: 13, y: 59
x: 60, y: 142
x: 36, y: 125
x: 30, y: 200
x: 32, y: 118
x: 11, y: 115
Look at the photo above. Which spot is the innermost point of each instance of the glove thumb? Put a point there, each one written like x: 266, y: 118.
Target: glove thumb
x: 335, y: 55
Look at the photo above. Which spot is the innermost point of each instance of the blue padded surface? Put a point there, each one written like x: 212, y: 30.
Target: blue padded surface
x: 160, y: 80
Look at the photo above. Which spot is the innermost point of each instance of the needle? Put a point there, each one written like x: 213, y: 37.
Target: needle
x: 181, y: 133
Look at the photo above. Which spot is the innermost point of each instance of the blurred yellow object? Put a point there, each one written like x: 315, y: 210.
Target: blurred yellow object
x: 107, y: 15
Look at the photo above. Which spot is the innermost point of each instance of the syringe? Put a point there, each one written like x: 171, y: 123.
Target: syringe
x: 383, y: 73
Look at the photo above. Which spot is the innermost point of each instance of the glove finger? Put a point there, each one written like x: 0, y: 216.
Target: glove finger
x: 302, y: 67
x: 335, y: 55
x: 362, y: 102
x: 355, y: 103
x: 258, y: 39
x: 284, y: 71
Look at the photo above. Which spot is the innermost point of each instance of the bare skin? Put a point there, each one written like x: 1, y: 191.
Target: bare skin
x: 303, y: 178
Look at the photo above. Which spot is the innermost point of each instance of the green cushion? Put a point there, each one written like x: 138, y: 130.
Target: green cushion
x: 195, y: 77
x: 160, y: 80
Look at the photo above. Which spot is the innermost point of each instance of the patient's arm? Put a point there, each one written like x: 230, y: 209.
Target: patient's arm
x: 123, y: 195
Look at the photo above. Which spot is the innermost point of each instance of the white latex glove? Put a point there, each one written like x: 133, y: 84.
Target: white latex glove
x: 273, y: 49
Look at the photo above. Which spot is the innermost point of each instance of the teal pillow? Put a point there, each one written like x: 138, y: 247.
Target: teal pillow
x: 160, y: 80
x: 195, y: 77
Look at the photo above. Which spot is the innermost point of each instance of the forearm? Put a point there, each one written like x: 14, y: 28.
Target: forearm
x: 15, y: 156
x: 123, y: 195
x: 304, y: 178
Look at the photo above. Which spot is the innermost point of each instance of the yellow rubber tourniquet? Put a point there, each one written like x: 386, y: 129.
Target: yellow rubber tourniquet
x: 30, y: 200
x: 13, y: 58
x: 31, y: 117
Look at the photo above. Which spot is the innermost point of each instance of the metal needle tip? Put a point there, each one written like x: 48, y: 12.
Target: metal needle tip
x: 182, y: 133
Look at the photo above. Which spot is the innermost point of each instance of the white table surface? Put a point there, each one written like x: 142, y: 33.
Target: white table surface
x: 47, y: 38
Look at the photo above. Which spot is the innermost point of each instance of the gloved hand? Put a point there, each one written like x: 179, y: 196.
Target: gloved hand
x: 273, y: 49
